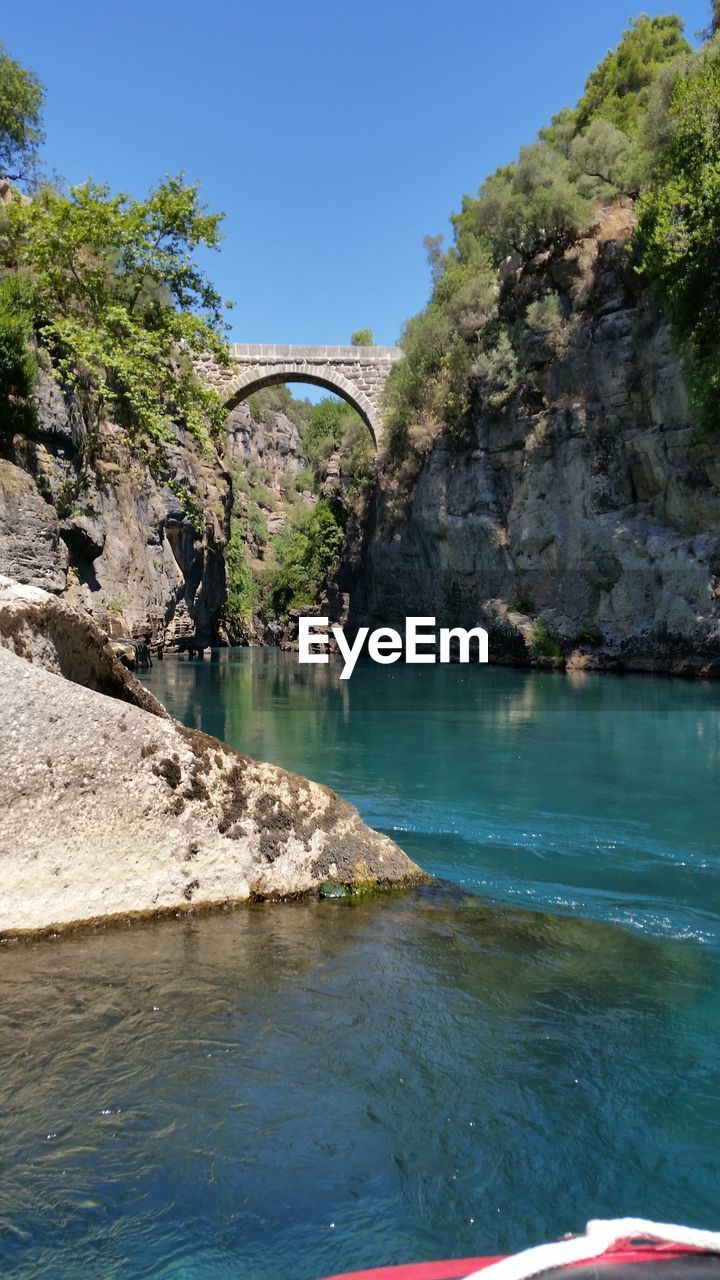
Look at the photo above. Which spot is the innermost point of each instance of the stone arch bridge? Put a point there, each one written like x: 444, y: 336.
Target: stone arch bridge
x: 358, y: 374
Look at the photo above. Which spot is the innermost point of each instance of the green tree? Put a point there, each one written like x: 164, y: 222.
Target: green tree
x: 678, y: 234
x: 304, y: 551
x: 433, y: 246
x: 714, y: 25
x: 242, y: 592
x: 521, y: 206
x: 277, y: 399
x: 426, y: 342
x: 122, y: 306
x: 617, y: 90
x: 356, y: 454
x: 21, y: 134
x: 496, y: 371
x: 326, y: 424
x: 361, y: 338
x: 605, y: 161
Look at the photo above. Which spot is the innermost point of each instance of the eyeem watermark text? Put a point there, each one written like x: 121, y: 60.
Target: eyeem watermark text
x: 420, y: 644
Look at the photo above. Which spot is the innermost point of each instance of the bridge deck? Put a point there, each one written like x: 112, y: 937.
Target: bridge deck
x: 249, y: 351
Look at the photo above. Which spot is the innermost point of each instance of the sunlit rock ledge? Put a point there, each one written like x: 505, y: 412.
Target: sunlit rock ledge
x: 110, y: 808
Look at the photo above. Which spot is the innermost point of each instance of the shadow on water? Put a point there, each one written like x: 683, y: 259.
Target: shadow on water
x: 296, y: 1089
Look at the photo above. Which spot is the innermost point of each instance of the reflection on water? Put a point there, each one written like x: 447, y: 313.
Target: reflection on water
x: 291, y: 1090
x: 287, y: 1091
x: 596, y: 794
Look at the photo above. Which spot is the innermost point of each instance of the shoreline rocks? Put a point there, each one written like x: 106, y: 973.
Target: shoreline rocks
x: 110, y: 809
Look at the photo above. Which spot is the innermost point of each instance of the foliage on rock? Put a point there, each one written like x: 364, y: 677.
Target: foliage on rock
x: 618, y: 90
x: 110, y: 288
x: 18, y: 362
x: 678, y: 234
x: 334, y: 426
x: 241, y: 585
x: 277, y: 399
x: 121, y: 306
x: 461, y: 355
x: 304, y: 553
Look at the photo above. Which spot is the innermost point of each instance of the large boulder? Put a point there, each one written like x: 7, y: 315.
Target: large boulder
x: 110, y: 808
x: 44, y: 630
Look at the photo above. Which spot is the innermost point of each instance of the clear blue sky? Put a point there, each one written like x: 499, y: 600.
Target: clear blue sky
x: 334, y: 135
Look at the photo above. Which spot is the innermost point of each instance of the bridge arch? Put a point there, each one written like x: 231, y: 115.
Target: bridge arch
x: 252, y: 380
x: 358, y: 374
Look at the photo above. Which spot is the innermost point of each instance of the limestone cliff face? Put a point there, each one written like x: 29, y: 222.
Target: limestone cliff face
x: 589, y: 504
x: 117, y: 545
x: 272, y: 444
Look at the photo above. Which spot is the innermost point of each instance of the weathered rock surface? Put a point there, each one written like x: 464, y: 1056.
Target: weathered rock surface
x: 589, y: 504
x: 112, y: 540
x: 109, y: 808
x: 271, y: 443
x: 36, y: 626
x: 31, y: 549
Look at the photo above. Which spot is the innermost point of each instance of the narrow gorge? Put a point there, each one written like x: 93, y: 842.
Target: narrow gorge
x: 579, y: 520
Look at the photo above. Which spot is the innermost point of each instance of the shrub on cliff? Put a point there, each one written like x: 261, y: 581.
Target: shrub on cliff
x: 335, y: 426
x: 356, y: 455
x: 121, y: 306
x: 242, y: 590
x: 618, y: 89
x: 18, y: 362
x: 496, y: 371
x: 678, y: 234
x: 604, y: 146
x: 324, y: 428
x: 278, y: 399
x: 304, y: 551
x: 522, y: 205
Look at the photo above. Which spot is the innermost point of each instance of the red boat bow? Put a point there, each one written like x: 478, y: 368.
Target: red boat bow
x: 626, y: 1244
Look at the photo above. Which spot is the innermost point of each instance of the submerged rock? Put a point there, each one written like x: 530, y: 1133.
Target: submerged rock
x: 110, y: 808
x: 332, y: 890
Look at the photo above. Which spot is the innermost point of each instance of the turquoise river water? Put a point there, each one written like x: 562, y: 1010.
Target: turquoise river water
x: 284, y: 1091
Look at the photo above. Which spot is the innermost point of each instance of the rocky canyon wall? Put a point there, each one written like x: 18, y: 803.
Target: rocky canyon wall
x: 581, y: 524
x: 114, y: 541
